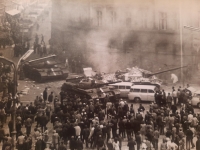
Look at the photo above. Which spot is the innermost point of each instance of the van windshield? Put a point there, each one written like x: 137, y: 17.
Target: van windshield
x: 135, y: 90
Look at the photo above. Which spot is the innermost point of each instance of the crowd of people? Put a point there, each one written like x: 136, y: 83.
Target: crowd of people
x: 67, y: 120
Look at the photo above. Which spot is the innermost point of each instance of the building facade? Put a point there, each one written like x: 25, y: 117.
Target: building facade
x: 116, y: 34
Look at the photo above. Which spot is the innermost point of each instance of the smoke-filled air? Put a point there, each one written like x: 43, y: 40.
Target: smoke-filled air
x: 111, y: 35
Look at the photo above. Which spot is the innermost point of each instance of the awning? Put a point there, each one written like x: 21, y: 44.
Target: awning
x: 13, y: 12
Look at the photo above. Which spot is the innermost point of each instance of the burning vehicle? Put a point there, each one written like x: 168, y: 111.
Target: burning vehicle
x: 137, y: 76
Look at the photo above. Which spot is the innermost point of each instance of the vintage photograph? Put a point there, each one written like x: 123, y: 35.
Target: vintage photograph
x: 99, y: 75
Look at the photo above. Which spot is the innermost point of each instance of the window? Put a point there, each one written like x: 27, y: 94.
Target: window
x: 116, y: 87
x: 99, y: 18
x: 163, y: 21
x: 121, y: 87
x: 135, y: 90
x: 113, y: 17
x: 128, y: 87
x: 143, y: 90
x: 150, y: 91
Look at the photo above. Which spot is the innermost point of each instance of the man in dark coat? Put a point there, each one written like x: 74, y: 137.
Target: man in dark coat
x: 79, y: 144
x: 198, y: 143
x: 114, y: 127
x: 189, y: 138
x: 40, y: 144
x: 45, y: 94
x: 100, y: 142
x: 50, y: 97
x: 86, y: 133
x: 138, y: 139
x: 62, y: 147
x: 131, y: 144
x: 72, y: 143
x: 2, y: 133
x: 173, y: 108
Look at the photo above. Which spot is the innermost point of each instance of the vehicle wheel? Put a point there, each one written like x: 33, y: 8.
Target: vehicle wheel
x: 198, y: 105
x: 137, y: 99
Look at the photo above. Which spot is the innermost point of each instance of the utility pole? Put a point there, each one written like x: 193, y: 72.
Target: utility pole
x: 15, y: 67
x: 181, y: 41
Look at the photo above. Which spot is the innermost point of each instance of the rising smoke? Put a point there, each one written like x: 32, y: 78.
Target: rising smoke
x: 145, y: 33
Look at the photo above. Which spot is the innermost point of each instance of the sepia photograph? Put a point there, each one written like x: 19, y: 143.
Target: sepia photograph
x: 99, y: 75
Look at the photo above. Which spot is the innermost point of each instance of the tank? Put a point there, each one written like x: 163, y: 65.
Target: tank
x: 145, y: 78
x: 45, y: 69
x: 98, y: 91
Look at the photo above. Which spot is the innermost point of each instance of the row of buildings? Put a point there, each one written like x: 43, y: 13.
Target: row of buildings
x: 116, y: 34
x: 27, y: 12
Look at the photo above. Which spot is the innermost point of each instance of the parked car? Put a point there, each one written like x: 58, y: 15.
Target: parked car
x: 142, y: 93
x: 196, y: 99
x: 123, y: 87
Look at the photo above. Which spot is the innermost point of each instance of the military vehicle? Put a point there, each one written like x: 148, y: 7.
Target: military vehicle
x: 92, y: 90
x: 144, y: 79
x: 44, y: 69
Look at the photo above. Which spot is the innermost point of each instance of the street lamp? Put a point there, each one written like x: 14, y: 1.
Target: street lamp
x: 181, y: 39
x: 11, y: 63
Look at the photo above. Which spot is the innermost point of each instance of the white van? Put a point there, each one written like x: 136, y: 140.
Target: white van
x: 123, y: 87
x: 142, y: 93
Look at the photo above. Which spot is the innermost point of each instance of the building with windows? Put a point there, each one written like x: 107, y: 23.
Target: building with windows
x: 116, y: 34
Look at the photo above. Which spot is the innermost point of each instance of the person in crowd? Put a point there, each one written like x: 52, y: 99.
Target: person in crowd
x: 198, y: 143
x: 174, y: 95
x: 45, y: 94
x: 100, y: 123
x: 50, y: 98
x: 131, y: 144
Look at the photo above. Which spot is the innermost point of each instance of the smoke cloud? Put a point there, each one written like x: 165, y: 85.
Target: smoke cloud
x: 112, y: 35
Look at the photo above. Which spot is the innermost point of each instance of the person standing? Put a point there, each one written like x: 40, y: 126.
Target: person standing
x: 55, y: 139
x: 62, y: 147
x: 40, y: 144
x: 50, y: 97
x: 156, y: 135
x: 28, y: 124
x: 173, y: 108
x: 131, y: 144
x: 138, y: 139
x: 45, y: 94
x: 100, y: 143
x: 198, y: 143
x: 189, y: 138
x: 169, y: 100
x: 116, y: 144
x: 86, y: 133
x: 79, y: 144
x: 2, y: 134
x: 72, y: 144
x: 174, y: 95
x: 20, y: 141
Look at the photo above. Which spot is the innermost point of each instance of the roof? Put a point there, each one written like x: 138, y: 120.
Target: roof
x: 13, y: 12
x: 123, y: 83
x: 143, y: 86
